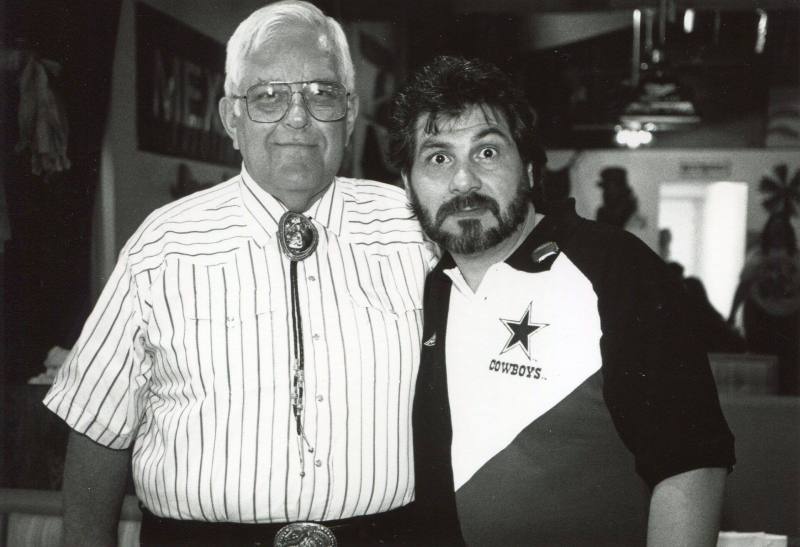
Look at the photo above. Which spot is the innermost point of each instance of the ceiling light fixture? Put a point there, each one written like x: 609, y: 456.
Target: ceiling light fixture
x: 658, y: 98
x: 633, y: 136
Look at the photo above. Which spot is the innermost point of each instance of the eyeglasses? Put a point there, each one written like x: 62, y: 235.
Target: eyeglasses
x: 270, y: 101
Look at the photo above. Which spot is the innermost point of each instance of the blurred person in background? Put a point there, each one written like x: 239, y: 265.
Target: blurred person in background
x: 769, y: 295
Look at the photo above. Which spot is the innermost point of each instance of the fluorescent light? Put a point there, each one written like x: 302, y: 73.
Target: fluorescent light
x: 761, y: 34
x: 688, y: 21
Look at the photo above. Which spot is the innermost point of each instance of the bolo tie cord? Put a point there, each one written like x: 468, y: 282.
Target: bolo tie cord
x: 298, y: 239
x: 298, y: 380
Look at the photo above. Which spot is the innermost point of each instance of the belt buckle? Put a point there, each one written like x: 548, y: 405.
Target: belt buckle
x: 305, y: 534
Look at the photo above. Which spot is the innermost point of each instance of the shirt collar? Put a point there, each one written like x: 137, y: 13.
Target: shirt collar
x: 264, y: 210
x: 540, y: 249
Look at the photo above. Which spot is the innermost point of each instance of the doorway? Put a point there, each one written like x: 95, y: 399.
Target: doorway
x: 707, y: 222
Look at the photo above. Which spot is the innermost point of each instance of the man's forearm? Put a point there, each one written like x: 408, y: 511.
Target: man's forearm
x: 93, y: 490
x: 685, y: 509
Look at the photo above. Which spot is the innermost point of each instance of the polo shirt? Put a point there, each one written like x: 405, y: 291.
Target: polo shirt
x: 515, y: 348
x: 574, y: 350
x: 186, y: 357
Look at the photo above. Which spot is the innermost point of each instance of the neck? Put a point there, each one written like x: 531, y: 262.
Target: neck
x: 474, y: 266
x: 300, y: 202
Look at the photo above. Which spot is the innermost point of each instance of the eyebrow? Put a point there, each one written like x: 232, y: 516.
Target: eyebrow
x: 433, y: 142
x: 489, y: 131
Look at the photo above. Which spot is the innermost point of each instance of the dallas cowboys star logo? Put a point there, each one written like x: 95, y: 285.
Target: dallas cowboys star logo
x: 521, y: 332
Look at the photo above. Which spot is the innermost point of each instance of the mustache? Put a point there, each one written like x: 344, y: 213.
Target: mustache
x: 460, y: 203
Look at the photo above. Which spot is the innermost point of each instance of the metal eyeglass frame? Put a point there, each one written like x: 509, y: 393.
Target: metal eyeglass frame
x: 304, y: 85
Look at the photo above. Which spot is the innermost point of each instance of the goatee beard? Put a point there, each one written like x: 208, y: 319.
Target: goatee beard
x: 472, y: 237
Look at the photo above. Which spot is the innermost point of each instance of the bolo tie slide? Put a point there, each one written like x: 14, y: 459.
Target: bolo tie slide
x: 298, y: 239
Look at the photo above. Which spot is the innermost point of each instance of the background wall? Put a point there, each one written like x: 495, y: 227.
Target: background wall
x: 647, y: 169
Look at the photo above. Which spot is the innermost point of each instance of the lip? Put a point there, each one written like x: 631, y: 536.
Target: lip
x: 469, y: 212
x: 301, y: 144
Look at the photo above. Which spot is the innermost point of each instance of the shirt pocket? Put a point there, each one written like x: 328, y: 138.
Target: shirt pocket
x: 217, y: 315
x: 226, y: 293
x: 387, y: 282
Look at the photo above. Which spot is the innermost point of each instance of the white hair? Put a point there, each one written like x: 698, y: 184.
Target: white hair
x: 264, y: 23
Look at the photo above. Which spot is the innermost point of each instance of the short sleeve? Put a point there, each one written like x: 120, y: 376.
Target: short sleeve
x: 96, y: 389
x: 657, y: 380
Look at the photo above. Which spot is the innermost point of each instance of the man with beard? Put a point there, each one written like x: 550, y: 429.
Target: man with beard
x: 547, y: 339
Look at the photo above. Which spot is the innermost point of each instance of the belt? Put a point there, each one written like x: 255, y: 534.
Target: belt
x: 392, y: 528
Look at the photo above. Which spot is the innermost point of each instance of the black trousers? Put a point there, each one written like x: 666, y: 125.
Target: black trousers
x: 397, y: 528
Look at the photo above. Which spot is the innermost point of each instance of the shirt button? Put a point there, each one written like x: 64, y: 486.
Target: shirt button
x: 318, y: 463
x: 312, y: 278
x: 320, y: 398
x: 316, y: 336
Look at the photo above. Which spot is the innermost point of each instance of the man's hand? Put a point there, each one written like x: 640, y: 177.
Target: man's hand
x: 93, y: 490
x: 685, y: 509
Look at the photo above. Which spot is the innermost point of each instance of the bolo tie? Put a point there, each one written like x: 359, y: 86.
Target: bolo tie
x: 298, y: 239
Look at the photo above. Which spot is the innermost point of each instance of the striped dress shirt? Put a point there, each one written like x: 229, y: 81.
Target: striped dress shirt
x: 187, y: 357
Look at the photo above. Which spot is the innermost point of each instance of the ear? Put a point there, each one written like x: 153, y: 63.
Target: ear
x: 230, y: 112
x: 529, y: 170
x: 352, y: 113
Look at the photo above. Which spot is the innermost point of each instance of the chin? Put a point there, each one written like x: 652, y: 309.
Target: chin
x: 469, y: 225
x: 301, y: 175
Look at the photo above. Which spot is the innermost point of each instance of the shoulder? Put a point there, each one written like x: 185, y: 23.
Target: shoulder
x: 184, y: 221
x: 612, y: 237
x: 378, y: 213
x: 603, y: 251
x: 363, y: 192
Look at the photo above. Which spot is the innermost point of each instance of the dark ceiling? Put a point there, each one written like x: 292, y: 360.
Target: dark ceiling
x: 580, y: 87
x: 532, y: 6
x: 370, y: 9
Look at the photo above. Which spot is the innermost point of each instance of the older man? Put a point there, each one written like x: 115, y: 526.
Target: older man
x: 539, y: 333
x: 254, y: 354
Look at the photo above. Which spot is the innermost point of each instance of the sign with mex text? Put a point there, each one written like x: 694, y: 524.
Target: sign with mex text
x: 179, y: 80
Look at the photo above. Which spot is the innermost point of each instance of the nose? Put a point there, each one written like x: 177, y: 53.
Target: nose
x: 297, y: 117
x: 464, y: 180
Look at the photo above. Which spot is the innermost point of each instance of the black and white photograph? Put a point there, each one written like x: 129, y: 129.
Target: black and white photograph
x: 408, y: 273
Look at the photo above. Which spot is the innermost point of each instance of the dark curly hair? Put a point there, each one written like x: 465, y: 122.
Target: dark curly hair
x: 449, y: 86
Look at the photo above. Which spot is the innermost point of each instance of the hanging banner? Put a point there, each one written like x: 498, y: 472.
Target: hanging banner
x: 179, y: 80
